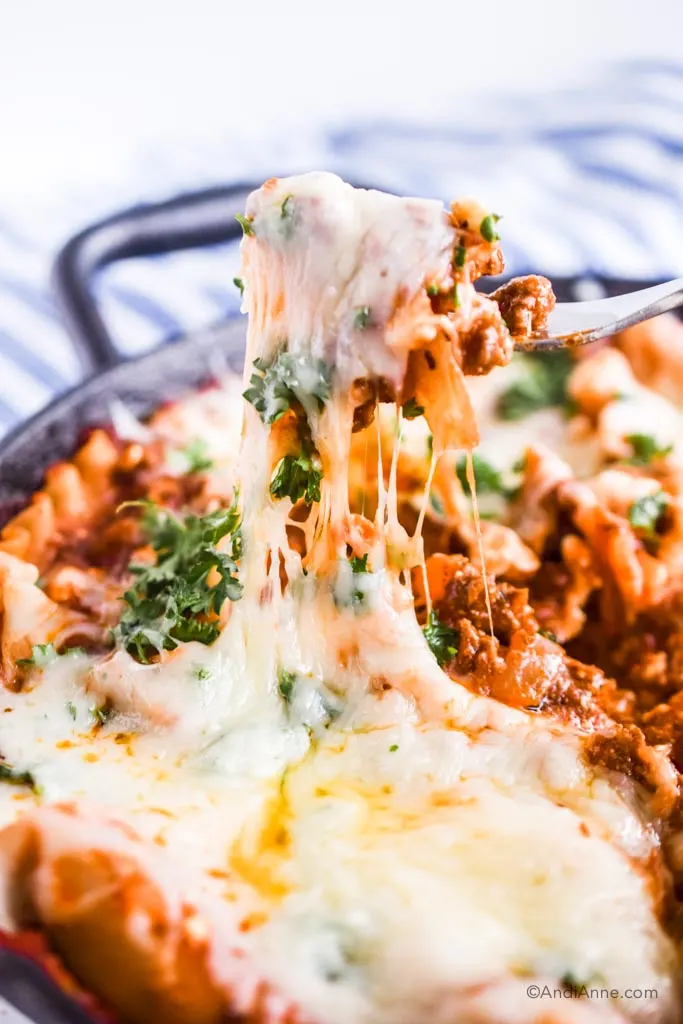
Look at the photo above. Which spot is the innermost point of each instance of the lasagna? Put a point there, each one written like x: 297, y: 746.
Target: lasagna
x: 322, y: 707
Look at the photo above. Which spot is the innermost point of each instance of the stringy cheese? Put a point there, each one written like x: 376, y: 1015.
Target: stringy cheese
x: 386, y: 839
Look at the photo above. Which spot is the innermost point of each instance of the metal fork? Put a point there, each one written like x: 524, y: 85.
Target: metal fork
x: 577, y: 323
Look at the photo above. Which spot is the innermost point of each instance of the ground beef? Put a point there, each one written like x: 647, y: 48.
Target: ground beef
x: 525, y: 304
x: 646, y: 659
x: 465, y: 599
x: 365, y: 394
x: 517, y: 665
x: 486, y: 343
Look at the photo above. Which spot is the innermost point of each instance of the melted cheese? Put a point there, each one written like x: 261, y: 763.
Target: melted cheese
x: 381, y: 839
x: 386, y: 859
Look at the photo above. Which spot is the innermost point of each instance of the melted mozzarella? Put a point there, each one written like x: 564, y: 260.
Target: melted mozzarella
x: 332, y: 252
x: 386, y: 858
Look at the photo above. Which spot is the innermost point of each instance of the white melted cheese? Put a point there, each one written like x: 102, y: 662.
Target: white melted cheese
x: 383, y: 838
x: 334, y: 251
x: 387, y: 859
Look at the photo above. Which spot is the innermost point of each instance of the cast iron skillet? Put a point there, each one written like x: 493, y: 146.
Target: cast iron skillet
x: 188, y: 221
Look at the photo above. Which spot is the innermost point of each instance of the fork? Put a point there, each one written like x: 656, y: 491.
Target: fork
x: 578, y: 323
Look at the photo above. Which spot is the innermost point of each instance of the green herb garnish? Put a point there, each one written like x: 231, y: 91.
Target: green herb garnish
x: 644, y: 514
x: 544, y: 384
x: 411, y: 410
x: 42, y: 655
x: 363, y: 318
x: 196, y: 455
x: 442, y: 639
x: 285, y: 685
x: 359, y: 564
x: 645, y: 449
x: 14, y: 777
x: 298, y: 476
x: 171, y: 602
x: 576, y: 984
x: 393, y: 748
x: 354, y: 593
x: 487, y: 228
x: 202, y: 673
x: 101, y: 713
x: 487, y: 477
x: 436, y: 503
x: 457, y: 297
x: 284, y: 211
x: 239, y: 283
x: 288, y: 380
x: 548, y: 634
x: 71, y: 708
x: 246, y: 222
x: 433, y: 290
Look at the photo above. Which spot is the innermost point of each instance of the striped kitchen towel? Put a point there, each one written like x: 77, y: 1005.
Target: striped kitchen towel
x: 589, y: 181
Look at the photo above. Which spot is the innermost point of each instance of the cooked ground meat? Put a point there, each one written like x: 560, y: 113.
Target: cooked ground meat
x: 486, y: 344
x: 517, y: 665
x: 646, y: 659
x: 365, y: 394
x: 525, y: 304
x: 482, y: 258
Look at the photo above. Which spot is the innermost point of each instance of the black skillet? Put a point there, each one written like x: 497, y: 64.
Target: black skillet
x: 188, y: 221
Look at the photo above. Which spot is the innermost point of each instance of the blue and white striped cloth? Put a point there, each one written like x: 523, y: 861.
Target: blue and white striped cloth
x: 589, y: 180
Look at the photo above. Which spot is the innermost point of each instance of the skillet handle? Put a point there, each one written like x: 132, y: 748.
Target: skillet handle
x: 189, y: 221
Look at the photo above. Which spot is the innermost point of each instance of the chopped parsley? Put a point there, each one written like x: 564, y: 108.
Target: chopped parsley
x: 548, y: 634
x: 411, y: 410
x: 238, y: 283
x: 285, y: 685
x: 71, y: 708
x: 43, y: 655
x: 644, y: 514
x: 645, y: 449
x: 354, y: 590
x: 362, y: 318
x: 172, y: 602
x: 16, y: 778
x: 544, y: 384
x: 284, y: 211
x: 460, y: 256
x: 433, y: 290
x: 393, y: 748
x: 101, y: 713
x: 202, y: 673
x: 287, y: 381
x: 487, y: 228
x: 298, y: 476
x: 488, y: 479
x: 442, y: 639
x: 196, y: 455
x: 577, y: 985
x: 246, y: 222
x: 436, y: 503
x: 457, y: 297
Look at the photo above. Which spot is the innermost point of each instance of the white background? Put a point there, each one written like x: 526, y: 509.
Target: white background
x: 86, y: 85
